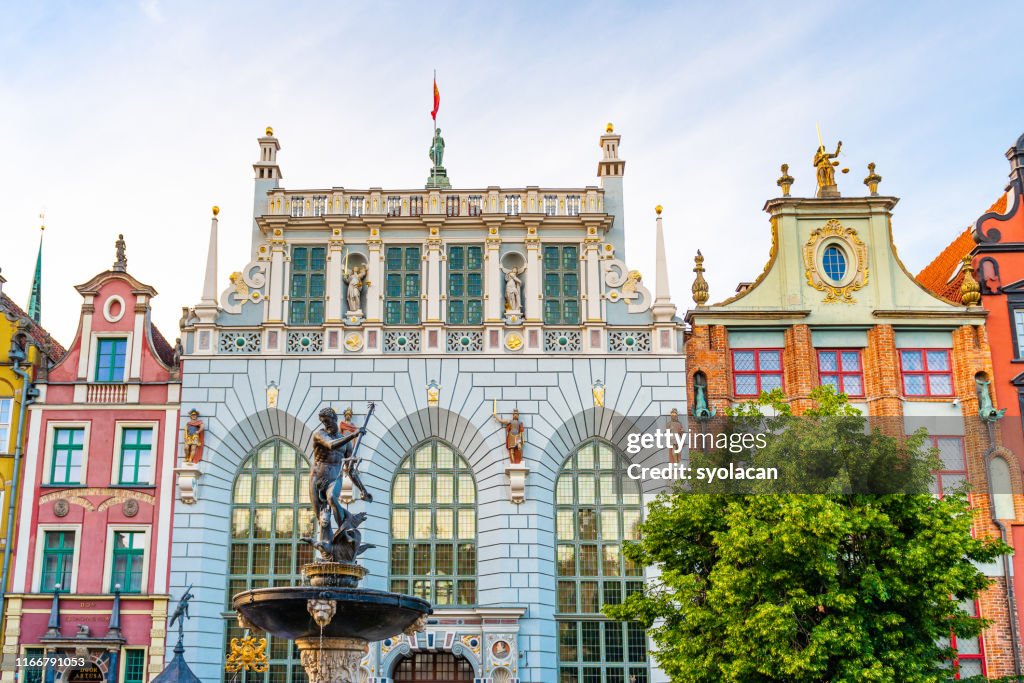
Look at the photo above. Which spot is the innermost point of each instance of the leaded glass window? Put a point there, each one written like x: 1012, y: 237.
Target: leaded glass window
x: 433, y: 526
x: 127, y: 566
x: 402, y: 286
x: 465, y: 284
x: 561, y: 285
x: 597, y: 510
x: 308, y: 291
x: 269, y: 511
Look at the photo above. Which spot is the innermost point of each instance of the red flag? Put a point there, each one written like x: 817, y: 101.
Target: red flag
x: 437, y: 100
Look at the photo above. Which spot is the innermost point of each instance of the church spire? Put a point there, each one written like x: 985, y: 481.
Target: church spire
x: 35, y: 301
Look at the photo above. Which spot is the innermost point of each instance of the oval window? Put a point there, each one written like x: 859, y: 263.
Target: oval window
x: 834, y: 263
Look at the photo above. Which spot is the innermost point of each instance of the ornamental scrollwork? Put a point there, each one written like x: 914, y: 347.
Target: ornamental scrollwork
x: 246, y: 286
x: 855, y: 253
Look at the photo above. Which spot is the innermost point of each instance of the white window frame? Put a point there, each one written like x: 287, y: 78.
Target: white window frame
x: 108, y: 555
x: 115, y: 465
x: 51, y: 429
x: 40, y: 539
x: 5, y: 441
x: 94, y: 349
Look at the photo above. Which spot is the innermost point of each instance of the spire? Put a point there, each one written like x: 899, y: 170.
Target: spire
x: 35, y: 301
x: 663, y: 309
x: 610, y: 165
x: 210, y: 283
x: 268, y: 177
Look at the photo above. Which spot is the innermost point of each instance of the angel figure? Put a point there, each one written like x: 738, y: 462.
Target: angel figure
x: 513, y: 289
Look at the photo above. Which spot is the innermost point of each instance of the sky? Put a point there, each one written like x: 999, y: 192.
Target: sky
x: 137, y: 117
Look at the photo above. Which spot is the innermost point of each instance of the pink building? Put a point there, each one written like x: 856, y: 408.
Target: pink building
x: 90, y: 576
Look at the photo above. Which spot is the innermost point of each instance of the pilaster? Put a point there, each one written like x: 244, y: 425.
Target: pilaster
x: 275, y: 305
x: 533, y: 296
x: 335, y: 284
x: 374, y: 275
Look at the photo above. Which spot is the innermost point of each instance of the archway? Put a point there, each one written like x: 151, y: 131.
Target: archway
x: 433, y: 667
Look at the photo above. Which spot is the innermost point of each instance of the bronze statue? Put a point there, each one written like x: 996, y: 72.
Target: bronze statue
x: 826, y: 167
x: 334, y: 456
x: 986, y: 409
x: 195, y: 435
x: 437, y: 149
x: 180, y: 613
x: 515, y: 432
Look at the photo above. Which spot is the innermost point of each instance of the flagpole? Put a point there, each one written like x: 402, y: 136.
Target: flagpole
x: 433, y: 152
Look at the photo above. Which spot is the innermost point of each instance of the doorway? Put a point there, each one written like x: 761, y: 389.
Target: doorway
x: 433, y: 667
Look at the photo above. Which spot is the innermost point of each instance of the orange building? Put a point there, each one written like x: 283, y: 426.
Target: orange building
x: 995, y: 245
x: 835, y: 305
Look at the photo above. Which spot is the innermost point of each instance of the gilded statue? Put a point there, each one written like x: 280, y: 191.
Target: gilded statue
x: 195, y: 435
x: 826, y: 168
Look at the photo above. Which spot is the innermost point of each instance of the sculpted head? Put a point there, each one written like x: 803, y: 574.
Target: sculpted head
x: 515, y: 413
x: 329, y: 418
x: 348, y: 414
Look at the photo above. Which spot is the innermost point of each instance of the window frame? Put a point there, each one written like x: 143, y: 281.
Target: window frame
x: 109, y: 578
x: 48, y: 453
x: 933, y: 439
x: 466, y: 272
x: 757, y: 372
x: 560, y: 273
x: 40, y: 552
x: 5, y: 427
x: 979, y: 656
x: 840, y: 374
x: 123, y: 674
x: 403, y: 273
x: 100, y: 341
x: 926, y: 373
x: 1015, y: 307
x: 307, y: 299
x: 119, y: 446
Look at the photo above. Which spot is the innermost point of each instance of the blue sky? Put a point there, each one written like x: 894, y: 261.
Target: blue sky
x: 137, y: 117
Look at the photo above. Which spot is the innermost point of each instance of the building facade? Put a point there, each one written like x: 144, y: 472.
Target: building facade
x: 835, y: 306
x: 89, y: 584
x: 994, y: 249
x: 448, y: 309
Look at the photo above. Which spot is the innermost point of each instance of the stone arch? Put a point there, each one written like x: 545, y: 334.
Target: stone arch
x: 400, y: 652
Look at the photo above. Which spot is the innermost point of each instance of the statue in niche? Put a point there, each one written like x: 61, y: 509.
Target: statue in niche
x: 986, y: 409
x: 701, y: 410
x: 513, y: 289
x: 988, y: 275
x: 353, y: 293
x: 195, y: 435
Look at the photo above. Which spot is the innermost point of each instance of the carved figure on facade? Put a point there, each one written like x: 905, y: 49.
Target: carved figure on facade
x: 245, y: 286
x: 179, y: 353
x: 515, y: 435
x: 355, y: 281
x: 986, y: 409
x: 195, y: 435
x: 121, y: 262
x: 513, y: 289
x: 701, y: 410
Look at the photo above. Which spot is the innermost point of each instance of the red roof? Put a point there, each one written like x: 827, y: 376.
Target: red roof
x: 53, y: 349
x: 943, y: 276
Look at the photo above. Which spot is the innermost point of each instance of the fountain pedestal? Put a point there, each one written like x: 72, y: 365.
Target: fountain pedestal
x: 332, y: 660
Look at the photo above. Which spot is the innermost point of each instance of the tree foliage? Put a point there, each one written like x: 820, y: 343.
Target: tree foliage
x: 857, y: 581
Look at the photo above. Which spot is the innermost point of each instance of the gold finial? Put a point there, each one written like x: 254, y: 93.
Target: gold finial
x: 609, y: 128
x: 785, y: 181
x: 872, y: 180
x: 970, y: 291
x: 270, y: 132
x: 700, y: 285
x: 657, y: 209
x: 42, y: 220
x: 216, y: 210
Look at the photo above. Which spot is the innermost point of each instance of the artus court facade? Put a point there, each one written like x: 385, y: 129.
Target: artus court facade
x: 450, y: 309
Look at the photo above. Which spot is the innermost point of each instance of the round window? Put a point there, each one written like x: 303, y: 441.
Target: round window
x: 834, y: 263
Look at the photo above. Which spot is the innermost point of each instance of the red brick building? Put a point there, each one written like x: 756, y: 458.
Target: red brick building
x: 90, y: 577
x: 835, y: 305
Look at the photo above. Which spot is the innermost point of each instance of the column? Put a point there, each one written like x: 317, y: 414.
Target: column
x: 375, y: 275
x: 433, y: 278
x: 593, y: 280
x: 493, y: 290
x: 275, y: 311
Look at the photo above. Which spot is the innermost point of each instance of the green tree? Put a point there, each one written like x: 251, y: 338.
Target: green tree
x: 857, y: 581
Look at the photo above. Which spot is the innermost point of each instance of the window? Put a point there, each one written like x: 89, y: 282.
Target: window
x: 756, y: 370
x: 6, y: 412
x: 66, y: 460
x: 513, y: 204
x: 58, y: 561
x: 126, y: 567
x: 926, y: 372
x: 394, y: 206
x: 134, y: 665
x: 319, y: 205
x: 298, y: 205
x: 1018, y: 328
x: 136, y: 456
x: 475, y: 204
x: 451, y: 205
x: 307, y: 293
x: 954, y: 467
x: 402, y: 286
x: 269, y: 511
x: 841, y: 369
x: 597, y: 509
x: 465, y: 285
x: 110, y: 359
x: 550, y: 205
x: 561, y: 285
x: 573, y: 205
x: 433, y: 527
x: 415, y: 206
x: 355, y: 206
x: 833, y: 261
x: 970, y: 652
x: 33, y: 674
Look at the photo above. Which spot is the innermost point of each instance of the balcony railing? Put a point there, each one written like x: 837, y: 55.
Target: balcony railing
x: 106, y: 393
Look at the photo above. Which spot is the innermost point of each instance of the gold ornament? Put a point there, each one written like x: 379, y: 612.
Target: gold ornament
x: 700, y: 285
x: 247, y: 654
x: 872, y: 180
x: 598, y: 391
x: 633, y: 278
x: 513, y: 341
x: 785, y: 181
x: 241, y: 289
x: 856, y: 276
x: 970, y: 291
x: 270, y: 132
x: 216, y: 210
x: 825, y: 169
x: 353, y: 341
x: 609, y: 128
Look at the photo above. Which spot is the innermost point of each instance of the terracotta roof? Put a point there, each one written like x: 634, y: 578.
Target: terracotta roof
x: 54, y: 350
x: 943, y: 275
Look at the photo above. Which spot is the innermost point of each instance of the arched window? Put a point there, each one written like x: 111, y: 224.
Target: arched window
x: 597, y: 509
x: 269, y: 511
x: 433, y: 526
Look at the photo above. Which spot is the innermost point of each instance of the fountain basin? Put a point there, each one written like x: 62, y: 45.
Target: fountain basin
x: 361, y: 613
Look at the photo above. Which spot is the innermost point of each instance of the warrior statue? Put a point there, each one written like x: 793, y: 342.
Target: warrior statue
x: 515, y: 430
x: 195, y: 431
x: 355, y: 281
x: 513, y: 289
